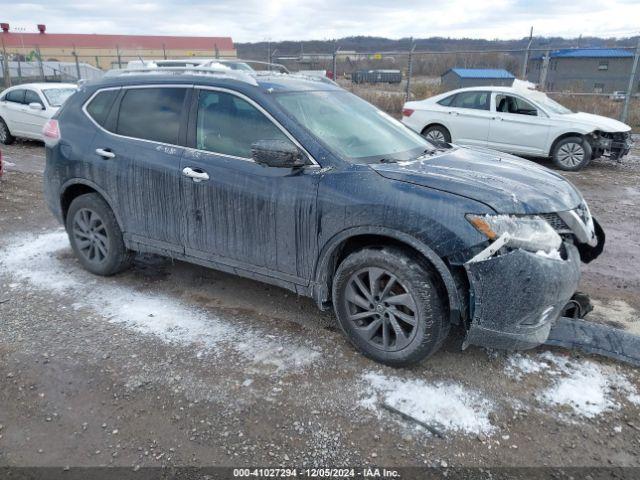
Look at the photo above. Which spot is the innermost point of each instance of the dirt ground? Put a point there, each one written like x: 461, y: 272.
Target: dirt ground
x: 174, y: 364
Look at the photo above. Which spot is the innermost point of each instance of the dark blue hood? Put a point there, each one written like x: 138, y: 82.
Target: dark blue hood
x: 506, y: 183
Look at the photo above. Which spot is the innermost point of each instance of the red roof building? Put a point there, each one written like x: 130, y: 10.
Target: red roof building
x: 103, y: 50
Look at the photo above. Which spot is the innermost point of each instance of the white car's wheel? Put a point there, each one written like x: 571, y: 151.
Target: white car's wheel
x: 437, y: 134
x: 571, y: 154
x: 5, y: 135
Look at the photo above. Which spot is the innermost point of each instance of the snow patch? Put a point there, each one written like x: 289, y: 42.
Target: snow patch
x: 40, y: 262
x: 446, y: 406
x: 553, y: 254
x: 586, y: 388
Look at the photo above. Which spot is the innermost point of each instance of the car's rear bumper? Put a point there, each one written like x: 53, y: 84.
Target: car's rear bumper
x: 516, y: 297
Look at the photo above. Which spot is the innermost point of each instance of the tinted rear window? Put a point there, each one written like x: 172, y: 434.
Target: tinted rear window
x: 445, y: 102
x: 151, y: 114
x: 100, y: 106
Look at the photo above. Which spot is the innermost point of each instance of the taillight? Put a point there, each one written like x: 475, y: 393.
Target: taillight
x: 51, y: 133
x: 406, y: 112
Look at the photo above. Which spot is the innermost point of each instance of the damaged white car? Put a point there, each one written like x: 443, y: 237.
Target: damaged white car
x: 518, y: 120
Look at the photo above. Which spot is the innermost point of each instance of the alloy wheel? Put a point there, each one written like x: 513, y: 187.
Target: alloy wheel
x: 3, y: 132
x: 435, y: 136
x: 381, y: 309
x: 571, y: 154
x: 90, y: 235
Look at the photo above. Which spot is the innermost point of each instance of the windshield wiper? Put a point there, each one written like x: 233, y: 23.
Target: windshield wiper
x: 388, y: 160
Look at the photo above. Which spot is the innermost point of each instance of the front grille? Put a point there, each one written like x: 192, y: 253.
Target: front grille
x: 556, y: 222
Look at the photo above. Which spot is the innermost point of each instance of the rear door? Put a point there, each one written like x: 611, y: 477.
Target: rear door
x: 470, y: 117
x: 518, y: 126
x: 136, y: 155
x: 14, y: 106
x: 252, y: 217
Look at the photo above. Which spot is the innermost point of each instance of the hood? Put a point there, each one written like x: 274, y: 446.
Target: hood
x: 505, y: 183
x: 596, y: 122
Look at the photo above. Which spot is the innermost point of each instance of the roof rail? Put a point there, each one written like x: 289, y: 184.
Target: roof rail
x: 212, y: 70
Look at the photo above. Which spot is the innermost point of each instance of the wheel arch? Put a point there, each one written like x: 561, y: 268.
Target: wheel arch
x: 435, y: 124
x: 353, y: 239
x: 75, y: 187
x: 562, y: 136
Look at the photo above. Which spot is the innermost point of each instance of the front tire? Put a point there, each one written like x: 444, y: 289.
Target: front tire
x: 5, y: 135
x: 571, y: 154
x: 389, y: 306
x: 95, y: 236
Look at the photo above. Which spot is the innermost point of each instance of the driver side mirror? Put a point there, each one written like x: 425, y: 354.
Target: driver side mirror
x: 277, y: 153
x: 36, y: 106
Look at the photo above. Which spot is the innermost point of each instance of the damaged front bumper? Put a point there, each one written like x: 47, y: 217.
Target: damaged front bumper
x: 612, y: 145
x: 515, y: 297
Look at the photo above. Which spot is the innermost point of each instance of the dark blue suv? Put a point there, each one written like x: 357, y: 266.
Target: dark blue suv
x: 298, y: 183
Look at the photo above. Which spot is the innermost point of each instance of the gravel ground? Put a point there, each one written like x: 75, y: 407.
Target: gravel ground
x: 174, y: 364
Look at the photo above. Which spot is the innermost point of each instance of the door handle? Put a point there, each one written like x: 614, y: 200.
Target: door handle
x: 496, y: 118
x: 105, y: 153
x: 197, y: 175
x: 453, y: 113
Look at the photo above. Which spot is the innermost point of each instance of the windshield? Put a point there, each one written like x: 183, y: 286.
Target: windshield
x: 57, y: 96
x: 352, y: 127
x: 552, y: 105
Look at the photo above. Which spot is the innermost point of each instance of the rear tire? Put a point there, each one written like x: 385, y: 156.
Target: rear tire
x: 95, y: 236
x: 389, y: 306
x: 5, y: 135
x: 437, y: 134
x: 571, y: 154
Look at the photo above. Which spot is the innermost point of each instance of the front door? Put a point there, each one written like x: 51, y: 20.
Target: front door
x: 34, y: 119
x: 239, y: 213
x: 518, y: 126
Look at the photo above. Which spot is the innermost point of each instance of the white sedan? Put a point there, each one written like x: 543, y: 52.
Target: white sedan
x: 24, y: 109
x: 518, y: 120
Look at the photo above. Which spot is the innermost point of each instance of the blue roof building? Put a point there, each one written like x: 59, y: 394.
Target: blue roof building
x: 597, y: 70
x: 473, y: 77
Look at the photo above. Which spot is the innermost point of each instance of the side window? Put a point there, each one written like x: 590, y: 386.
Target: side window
x: 32, y: 97
x: 446, y: 102
x: 151, y: 114
x: 516, y: 105
x: 229, y: 125
x: 473, y: 100
x: 15, y: 96
x: 100, y: 106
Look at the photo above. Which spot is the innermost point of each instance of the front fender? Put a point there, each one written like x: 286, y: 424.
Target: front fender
x: 321, y: 286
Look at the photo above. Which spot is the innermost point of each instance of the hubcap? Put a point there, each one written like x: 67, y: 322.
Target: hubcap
x: 571, y: 154
x: 90, y: 235
x: 381, y: 309
x: 435, y: 136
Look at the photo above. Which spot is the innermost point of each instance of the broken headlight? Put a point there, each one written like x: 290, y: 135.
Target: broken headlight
x: 531, y: 233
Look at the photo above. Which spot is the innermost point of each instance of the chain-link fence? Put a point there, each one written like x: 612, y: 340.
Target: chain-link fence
x: 608, y: 87
x: 604, y: 83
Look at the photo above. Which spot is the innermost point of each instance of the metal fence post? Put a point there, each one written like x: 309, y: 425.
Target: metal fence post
x: 19, y: 68
x: 40, y: 65
x: 632, y: 78
x: 544, y: 69
x: 75, y: 56
x: 119, y: 57
x: 164, y: 51
x: 6, y: 68
x: 335, y: 63
x: 526, y: 56
x: 410, y: 70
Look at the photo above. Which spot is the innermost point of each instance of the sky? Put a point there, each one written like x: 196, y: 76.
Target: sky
x: 256, y: 20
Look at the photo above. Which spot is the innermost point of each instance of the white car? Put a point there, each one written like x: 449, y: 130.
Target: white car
x: 24, y: 109
x: 518, y: 120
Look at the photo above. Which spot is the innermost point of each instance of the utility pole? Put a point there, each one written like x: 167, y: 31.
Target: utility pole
x: 119, y: 56
x: 526, y: 56
x: 40, y: 65
x: 410, y: 70
x: 632, y: 78
x: 335, y: 62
